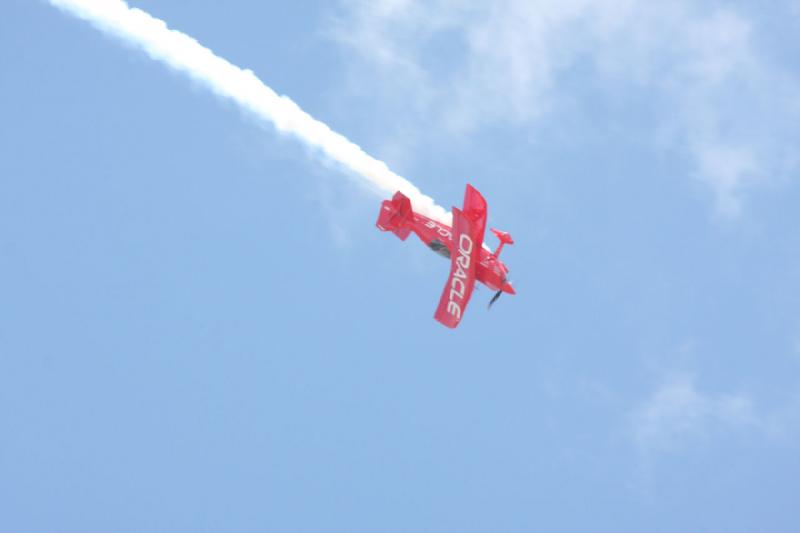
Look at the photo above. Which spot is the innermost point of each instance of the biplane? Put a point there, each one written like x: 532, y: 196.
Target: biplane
x: 462, y: 244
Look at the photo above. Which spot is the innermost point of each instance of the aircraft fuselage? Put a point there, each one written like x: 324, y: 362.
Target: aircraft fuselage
x: 439, y: 237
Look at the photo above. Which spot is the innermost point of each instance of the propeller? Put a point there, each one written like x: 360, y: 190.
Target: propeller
x: 498, y: 293
x: 494, y: 298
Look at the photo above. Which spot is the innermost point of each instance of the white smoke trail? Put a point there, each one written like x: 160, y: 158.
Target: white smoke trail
x: 185, y: 54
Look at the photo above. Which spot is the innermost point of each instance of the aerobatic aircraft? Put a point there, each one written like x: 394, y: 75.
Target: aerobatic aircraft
x: 463, y: 244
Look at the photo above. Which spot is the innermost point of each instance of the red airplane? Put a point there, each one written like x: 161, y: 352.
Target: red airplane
x: 462, y: 244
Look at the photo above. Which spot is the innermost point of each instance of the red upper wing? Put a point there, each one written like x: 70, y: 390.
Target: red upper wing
x: 468, y: 228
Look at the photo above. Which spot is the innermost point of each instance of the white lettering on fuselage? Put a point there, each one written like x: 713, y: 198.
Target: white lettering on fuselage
x: 440, y: 230
x: 457, y: 283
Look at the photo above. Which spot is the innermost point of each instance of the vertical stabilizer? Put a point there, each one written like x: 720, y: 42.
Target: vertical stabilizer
x: 396, y: 216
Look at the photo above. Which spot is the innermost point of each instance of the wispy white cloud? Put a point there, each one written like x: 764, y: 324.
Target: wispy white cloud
x: 678, y: 415
x: 725, y: 104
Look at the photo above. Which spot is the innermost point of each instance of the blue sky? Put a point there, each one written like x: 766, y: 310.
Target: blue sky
x: 202, y: 330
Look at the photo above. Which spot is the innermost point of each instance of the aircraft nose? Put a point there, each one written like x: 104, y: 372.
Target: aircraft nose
x: 508, y: 288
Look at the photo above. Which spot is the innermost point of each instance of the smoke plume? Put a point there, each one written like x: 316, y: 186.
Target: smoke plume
x: 182, y: 53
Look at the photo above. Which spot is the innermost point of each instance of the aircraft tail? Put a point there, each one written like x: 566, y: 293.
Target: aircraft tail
x: 395, y: 215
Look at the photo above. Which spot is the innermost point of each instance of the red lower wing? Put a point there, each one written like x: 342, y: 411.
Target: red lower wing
x: 468, y: 228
